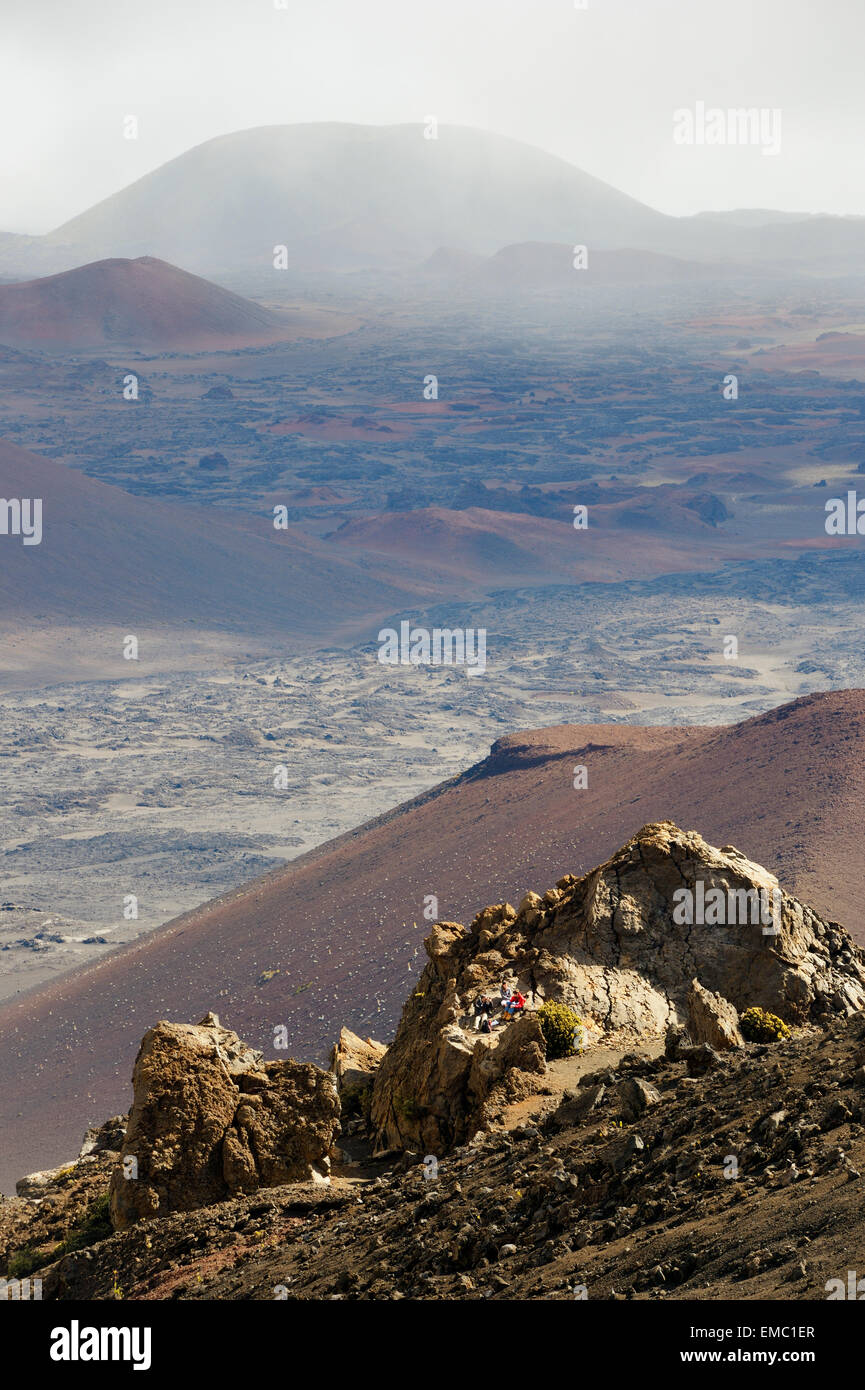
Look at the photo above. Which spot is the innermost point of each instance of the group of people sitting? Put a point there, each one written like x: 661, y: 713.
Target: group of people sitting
x: 510, y: 1003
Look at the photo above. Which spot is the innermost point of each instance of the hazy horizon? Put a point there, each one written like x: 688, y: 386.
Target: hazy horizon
x: 574, y: 82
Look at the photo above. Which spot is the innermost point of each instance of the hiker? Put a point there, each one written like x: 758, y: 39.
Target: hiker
x: 505, y: 995
x: 483, y: 1008
x: 515, y: 1004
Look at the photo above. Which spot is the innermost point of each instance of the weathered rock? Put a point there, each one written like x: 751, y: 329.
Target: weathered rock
x: 699, y: 1059
x: 354, y: 1061
x: 35, y: 1185
x: 56, y: 1201
x: 211, y: 1119
x: 458, y: 1077
x: 613, y: 946
x: 576, y: 1106
x: 636, y: 1096
x: 104, y: 1138
x: 712, y: 1019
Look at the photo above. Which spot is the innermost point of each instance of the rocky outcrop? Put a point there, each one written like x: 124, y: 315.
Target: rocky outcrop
x: 621, y: 946
x: 623, y: 1190
x: 211, y: 1119
x: 354, y: 1061
x: 440, y: 1081
x: 712, y: 1019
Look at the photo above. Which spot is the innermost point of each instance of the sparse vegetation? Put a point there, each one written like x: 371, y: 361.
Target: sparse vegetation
x: 24, y: 1262
x: 758, y: 1025
x: 93, y: 1225
x: 355, y: 1101
x: 561, y: 1028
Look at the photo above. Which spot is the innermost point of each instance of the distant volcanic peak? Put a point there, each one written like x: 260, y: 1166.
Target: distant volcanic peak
x: 135, y: 302
x: 351, y: 196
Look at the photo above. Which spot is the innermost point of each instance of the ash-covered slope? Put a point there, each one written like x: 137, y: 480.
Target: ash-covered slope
x: 106, y: 557
x: 622, y: 947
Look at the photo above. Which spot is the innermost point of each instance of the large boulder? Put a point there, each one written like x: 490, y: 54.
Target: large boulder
x: 712, y: 1019
x: 211, y: 1119
x: 621, y: 946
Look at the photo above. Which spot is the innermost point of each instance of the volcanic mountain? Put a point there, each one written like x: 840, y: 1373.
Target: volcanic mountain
x: 143, y: 303
x: 547, y: 265
x: 341, y: 196
x: 335, y: 938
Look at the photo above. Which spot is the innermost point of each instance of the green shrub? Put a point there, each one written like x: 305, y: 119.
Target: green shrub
x: 408, y: 1108
x: 559, y: 1025
x: 759, y: 1026
x: 355, y: 1101
x: 93, y: 1225
x: 22, y: 1264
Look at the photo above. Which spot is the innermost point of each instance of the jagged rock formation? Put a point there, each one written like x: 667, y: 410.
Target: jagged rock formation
x: 354, y: 1061
x: 211, y: 1119
x: 98, y: 1141
x: 616, y: 946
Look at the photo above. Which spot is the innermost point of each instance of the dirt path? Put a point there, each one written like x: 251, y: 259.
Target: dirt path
x: 565, y: 1075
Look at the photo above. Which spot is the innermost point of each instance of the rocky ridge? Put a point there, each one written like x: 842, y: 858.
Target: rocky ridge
x: 608, y: 945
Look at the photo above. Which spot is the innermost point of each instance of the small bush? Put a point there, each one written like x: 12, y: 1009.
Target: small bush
x: 560, y: 1026
x: 92, y: 1226
x: 22, y: 1264
x: 355, y: 1101
x: 759, y: 1026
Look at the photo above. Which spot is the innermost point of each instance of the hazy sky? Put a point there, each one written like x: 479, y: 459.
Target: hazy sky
x: 597, y: 86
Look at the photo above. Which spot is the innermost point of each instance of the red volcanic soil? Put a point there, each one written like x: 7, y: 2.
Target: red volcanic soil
x: 832, y: 354
x: 343, y: 924
x: 485, y: 547
x: 106, y: 557
x: 146, y: 303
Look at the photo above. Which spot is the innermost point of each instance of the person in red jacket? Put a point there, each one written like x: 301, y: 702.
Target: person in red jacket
x: 515, y: 1004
